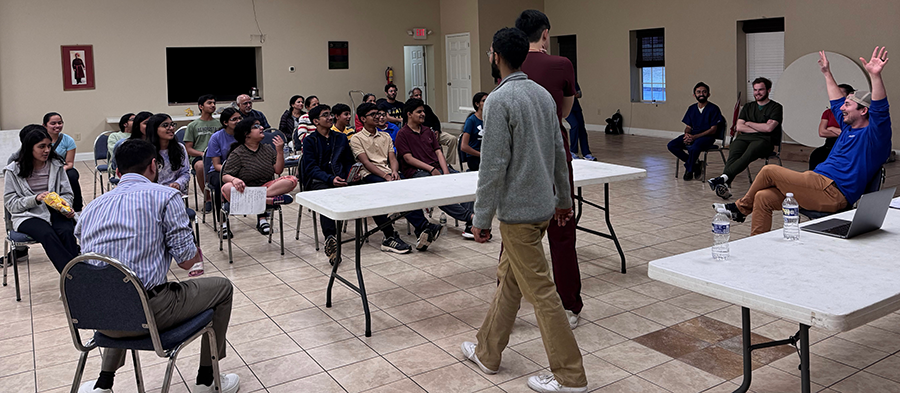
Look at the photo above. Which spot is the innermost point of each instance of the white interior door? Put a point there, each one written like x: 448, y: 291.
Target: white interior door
x: 415, y: 69
x: 459, y: 76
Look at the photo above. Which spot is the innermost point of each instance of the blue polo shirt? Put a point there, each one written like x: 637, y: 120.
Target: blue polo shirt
x: 859, y: 152
x: 702, y: 121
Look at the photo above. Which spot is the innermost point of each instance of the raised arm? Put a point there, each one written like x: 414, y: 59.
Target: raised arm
x: 834, y: 92
x: 874, y: 67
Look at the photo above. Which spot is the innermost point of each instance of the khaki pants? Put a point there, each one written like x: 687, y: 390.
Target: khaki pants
x: 811, y: 190
x: 449, y: 144
x: 178, y: 303
x: 523, y: 271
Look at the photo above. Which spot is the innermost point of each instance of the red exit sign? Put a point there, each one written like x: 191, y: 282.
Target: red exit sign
x: 420, y: 34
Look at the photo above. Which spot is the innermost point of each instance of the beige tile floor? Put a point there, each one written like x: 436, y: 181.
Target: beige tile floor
x: 283, y: 339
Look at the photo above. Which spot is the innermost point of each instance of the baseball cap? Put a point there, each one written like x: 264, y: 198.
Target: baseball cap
x: 861, y: 97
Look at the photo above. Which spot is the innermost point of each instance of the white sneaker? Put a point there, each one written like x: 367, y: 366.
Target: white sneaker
x: 88, y: 387
x: 231, y: 383
x: 573, y: 319
x: 468, y: 350
x: 548, y: 384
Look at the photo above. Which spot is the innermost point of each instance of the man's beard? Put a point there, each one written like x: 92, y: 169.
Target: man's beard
x: 495, y: 71
x: 701, y: 99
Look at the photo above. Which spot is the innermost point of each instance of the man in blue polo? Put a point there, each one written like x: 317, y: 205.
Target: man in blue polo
x: 701, y: 124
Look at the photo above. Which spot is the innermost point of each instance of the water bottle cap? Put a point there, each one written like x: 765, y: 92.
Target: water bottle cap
x: 789, y: 195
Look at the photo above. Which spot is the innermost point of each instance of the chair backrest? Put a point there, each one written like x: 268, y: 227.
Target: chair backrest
x: 101, y: 150
x: 207, y: 163
x: 179, y: 135
x: 108, y: 297
x: 270, y: 134
x: 877, y: 181
x: 295, y: 137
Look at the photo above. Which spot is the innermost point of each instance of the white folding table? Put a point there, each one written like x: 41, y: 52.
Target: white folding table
x: 359, y: 202
x: 822, y: 281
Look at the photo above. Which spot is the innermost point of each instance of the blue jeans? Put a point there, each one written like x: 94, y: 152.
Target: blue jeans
x: 699, y: 145
x: 460, y: 211
x: 578, y: 134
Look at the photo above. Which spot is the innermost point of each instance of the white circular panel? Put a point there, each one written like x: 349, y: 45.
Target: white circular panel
x: 801, y: 90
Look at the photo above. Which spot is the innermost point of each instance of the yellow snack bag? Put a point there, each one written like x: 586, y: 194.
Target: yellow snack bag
x: 53, y: 200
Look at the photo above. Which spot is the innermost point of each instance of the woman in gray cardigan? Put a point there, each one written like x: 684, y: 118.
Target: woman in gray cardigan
x: 35, y: 173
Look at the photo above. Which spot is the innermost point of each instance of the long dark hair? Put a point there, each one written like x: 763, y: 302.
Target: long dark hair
x: 136, y: 125
x: 293, y: 101
x: 32, y: 134
x: 48, y: 116
x: 240, y: 132
x: 175, y: 152
x: 226, y: 115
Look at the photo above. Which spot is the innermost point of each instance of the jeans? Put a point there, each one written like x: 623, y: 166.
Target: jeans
x: 78, y: 201
x: 460, y: 211
x: 577, y: 133
x: 677, y: 147
x: 57, y: 237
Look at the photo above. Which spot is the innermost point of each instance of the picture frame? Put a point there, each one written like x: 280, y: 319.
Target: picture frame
x: 77, y: 67
x: 338, y: 55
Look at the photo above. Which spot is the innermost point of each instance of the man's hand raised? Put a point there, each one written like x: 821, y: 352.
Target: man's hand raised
x: 823, y: 63
x: 876, y: 64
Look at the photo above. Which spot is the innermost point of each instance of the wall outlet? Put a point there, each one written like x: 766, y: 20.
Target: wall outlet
x: 76, y: 137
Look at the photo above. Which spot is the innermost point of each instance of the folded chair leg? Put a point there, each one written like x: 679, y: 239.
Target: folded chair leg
x: 169, y: 371
x: 6, y: 261
x: 138, y: 375
x: 281, y: 229
x: 299, y: 216
x: 79, y: 371
x: 214, y: 354
x: 15, y: 263
x: 270, y: 217
x: 228, y: 229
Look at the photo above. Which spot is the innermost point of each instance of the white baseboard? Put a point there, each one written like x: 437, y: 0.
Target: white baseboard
x: 89, y: 156
x: 637, y: 131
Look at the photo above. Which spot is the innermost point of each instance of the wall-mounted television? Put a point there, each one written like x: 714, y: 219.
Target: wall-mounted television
x: 224, y: 71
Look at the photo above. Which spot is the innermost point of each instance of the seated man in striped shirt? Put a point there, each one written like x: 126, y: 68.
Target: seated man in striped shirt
x: 144, y: 225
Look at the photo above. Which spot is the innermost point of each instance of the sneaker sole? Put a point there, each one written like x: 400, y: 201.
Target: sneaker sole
x: 474, y: 359
x: 424, y: 241
x: 395, y: 250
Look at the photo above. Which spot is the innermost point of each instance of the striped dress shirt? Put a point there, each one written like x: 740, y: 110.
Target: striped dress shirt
x: 142, y: 224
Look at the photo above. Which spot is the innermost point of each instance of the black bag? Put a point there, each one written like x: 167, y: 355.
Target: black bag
x: 614, y: 124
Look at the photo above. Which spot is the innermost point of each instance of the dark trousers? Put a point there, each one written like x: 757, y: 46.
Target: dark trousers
x: 577, y: 133
x: 57, y: 237
x: 690, y: 158
x: 328, y: 227
x: 179, y: 302
x: 745, y: 149
x: 78, y: 201
x: 460, y: 211
x: 473, y: 163
x: 565, y: 261
x: 380, y: 220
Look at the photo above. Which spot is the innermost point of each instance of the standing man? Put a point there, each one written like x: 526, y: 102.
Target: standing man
x: 245, y: 105
x: 701, y: 123
x: 524, y: 158
x: 861, y: 149
x: 447, y: 141
x: 759, y: 125
x: 395, y: 115
x: 556, y: 74
x: 196, y: 139
x: 577, y: 132
x: 144, y: 225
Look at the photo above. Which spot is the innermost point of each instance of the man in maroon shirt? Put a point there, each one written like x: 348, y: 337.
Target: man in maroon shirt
x: 556, y: 74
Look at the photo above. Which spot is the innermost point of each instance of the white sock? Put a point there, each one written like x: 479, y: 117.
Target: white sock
x: 724, y: 176
x: 263, y: 221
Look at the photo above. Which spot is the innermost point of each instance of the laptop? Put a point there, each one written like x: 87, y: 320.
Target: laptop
x: 869, y: 216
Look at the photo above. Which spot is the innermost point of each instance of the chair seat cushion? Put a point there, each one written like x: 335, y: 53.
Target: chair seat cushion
x: 102, y: 167
x: 191, y: 214
x: 169, y: 338
x: 812, y: 214
x: 291, y: 163
x: 114, y: 180
x: 20, y: 237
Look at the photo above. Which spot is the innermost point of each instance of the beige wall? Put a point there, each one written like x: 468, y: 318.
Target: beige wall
x: 495, y: 15
x: 460, y: 16
x: 701, y: 44
x: 130, y: 37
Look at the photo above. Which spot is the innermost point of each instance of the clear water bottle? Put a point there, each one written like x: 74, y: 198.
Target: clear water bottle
x: 791, y: 211
x: 721, y: 228
x: 443, y: 219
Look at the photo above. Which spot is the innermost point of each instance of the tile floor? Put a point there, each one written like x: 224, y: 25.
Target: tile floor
x: 637, y: 335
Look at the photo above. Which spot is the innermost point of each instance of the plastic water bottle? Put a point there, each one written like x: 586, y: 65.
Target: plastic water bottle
x: 791, y: 211
x: 443, y: 219
x: 721, y: 228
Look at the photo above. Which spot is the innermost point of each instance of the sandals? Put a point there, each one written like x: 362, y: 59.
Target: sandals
x: 263, y: 228
x: 196, y: 270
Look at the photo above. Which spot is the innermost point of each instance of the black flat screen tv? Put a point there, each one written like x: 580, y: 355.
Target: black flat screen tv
x: 223, y: 71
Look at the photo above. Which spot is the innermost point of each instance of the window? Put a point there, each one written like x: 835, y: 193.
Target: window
x: 649, y: 76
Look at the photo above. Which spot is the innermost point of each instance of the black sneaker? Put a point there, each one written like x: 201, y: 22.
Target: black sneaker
x: 428, y: 236
x: 331, y: 249
x: 467, y: 233
x: 722, y: 191
x: 716, y: 181
x: 698, y: 169
x: 732, y: 208
x: 263, y: 228
x: 395, y: 244
x: 687, y: 176
x: 225, y: 234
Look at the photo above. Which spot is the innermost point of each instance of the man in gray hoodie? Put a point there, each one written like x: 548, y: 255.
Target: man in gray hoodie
x: 522, y: 159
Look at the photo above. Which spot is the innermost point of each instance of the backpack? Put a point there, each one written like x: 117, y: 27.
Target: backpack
x: 614, y: 124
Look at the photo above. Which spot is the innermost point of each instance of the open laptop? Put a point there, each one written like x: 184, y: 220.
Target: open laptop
x: 869, y: 216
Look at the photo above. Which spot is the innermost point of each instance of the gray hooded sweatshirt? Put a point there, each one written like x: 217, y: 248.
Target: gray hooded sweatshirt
x: 19, y: 199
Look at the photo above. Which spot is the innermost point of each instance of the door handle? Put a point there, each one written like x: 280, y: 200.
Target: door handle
x: 448, y: 83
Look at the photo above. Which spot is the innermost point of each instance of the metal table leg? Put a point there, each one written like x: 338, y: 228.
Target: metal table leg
x: 360, y: 288
x: 802, y: 337
x: 612, y: 233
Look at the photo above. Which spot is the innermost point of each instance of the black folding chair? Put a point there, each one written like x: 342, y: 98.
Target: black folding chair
x: 112, y: 298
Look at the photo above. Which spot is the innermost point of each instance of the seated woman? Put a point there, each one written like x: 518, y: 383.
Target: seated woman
x: 305, y: 125
x: 290, y: 119
x: 217, y: 151
x: 175, y: 170
x: 253, y: 164
x: 64, y: 146
x: 473, y: 131
x: 36, y: 172
x: 136, y: 129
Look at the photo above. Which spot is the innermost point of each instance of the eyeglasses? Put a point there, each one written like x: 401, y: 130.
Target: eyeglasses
x: 257, y: 126
x: 371, y: 114
x: 380, y: 114
x: 169, y: 125
x: 489, y: 53
x: 236, y: 119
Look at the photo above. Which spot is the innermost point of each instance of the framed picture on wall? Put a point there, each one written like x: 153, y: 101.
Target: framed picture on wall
x: 78, y: 67
x: 338, y: 55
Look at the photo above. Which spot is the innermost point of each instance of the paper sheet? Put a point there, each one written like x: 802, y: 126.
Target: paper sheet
x: 251, y: 201
x: 895, y: 203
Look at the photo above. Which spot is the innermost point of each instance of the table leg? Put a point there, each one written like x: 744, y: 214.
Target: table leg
x: 334, y: 268
x: 748, y: 360
x: 804, y: 358
x: 605, y: 207
x: 802, y: 337
x: 359, y: 275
